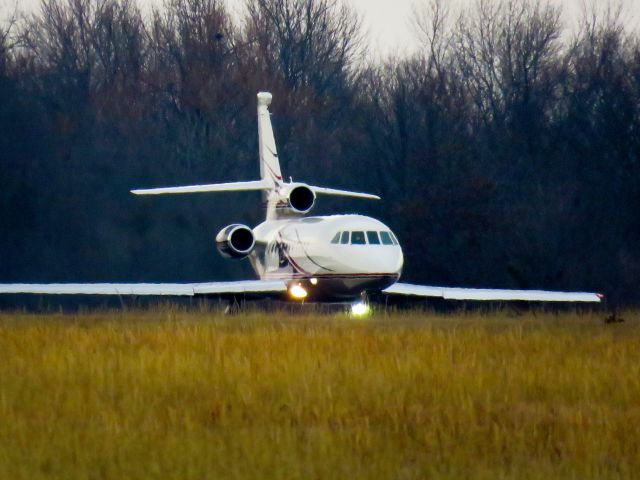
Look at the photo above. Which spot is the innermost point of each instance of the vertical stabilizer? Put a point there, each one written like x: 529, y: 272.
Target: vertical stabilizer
x: 269, y: 163
x: 282, y: 199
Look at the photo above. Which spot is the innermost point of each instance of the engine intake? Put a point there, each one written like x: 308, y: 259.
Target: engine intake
x: 301, y: 199
x: 235, y: 241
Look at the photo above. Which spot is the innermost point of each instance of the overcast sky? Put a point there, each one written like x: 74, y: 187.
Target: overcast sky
x: 389, y: 22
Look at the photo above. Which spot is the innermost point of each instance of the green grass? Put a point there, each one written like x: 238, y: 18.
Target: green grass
x: 173, y: 395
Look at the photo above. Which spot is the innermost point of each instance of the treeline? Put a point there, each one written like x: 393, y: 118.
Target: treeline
x: 507, y: 150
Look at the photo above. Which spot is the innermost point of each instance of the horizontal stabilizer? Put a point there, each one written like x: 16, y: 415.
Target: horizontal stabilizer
x: 343, y: 193
x: 215, y: 187
x: 483, y: 294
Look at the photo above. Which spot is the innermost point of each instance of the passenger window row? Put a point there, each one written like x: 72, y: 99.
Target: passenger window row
x: 363, y: 238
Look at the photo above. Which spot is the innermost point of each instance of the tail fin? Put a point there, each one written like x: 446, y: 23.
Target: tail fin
x: 274, y: 190
x: 269, y: 163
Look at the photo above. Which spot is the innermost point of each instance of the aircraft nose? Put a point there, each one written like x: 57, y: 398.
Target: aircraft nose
x: 397, y: 261
x: 390, y: 260
x: 379, y: 259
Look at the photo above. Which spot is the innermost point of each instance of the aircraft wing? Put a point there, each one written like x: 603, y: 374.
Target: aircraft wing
x: 481, y: 294
x: 170, y: 289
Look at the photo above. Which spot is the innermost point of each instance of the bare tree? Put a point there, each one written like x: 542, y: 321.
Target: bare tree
x: 433, y: 25
x: 118, y: 40
x: 507, y: 52
x: 7, y: 38
x: 310, y: 43
x: 190, y: 35
x: 194, y: 77
x: 89, y: 45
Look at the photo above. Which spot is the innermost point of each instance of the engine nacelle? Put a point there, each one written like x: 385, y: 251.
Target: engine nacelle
x: 235, y: 241
x: 300, y: 198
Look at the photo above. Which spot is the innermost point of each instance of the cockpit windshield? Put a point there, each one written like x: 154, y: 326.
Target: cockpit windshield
x: 386, y: 238
x: 370, y: 237
x: 357, y: 238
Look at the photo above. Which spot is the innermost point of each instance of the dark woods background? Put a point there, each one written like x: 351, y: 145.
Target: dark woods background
x: 506, y: 150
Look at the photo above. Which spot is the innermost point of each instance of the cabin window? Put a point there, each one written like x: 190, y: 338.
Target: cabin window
x: 345, y: 238
x: 358, y: 238
x: 386, y: 238
x: 336, y: 239
x: 372, y: 238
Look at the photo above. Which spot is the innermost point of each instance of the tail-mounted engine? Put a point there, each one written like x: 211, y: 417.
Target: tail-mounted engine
x: 235, y: 241
x: 297, y: 198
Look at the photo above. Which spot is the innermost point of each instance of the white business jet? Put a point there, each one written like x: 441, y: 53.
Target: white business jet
x: 299, y: 257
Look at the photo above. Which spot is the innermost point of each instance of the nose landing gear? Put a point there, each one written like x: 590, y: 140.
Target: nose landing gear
x: 362, y: 307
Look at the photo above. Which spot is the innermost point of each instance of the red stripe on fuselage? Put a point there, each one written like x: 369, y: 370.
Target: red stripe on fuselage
x: 328, y: 275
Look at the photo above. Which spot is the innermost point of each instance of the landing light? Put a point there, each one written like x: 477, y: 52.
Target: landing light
x: 314, y: 281
x: 360, y: 309
x: 297, y: 292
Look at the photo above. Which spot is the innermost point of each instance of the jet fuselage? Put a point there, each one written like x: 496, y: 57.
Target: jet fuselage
x: 330, y: 257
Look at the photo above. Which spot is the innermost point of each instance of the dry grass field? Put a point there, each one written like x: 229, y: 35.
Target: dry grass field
x: 167, y: 394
